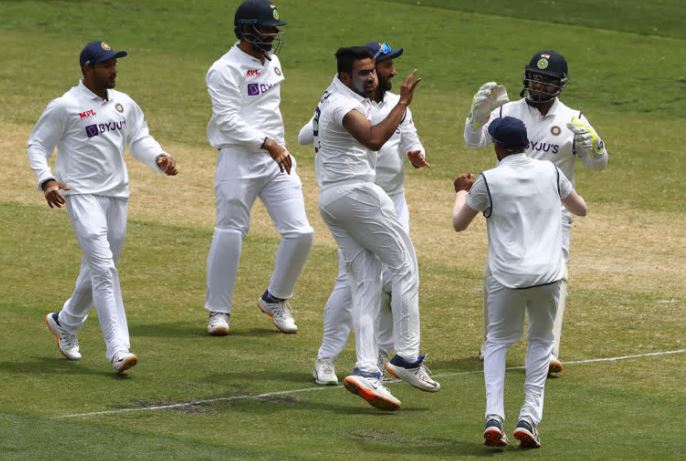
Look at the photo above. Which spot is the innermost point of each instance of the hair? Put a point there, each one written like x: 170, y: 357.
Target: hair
x: 345, y: 57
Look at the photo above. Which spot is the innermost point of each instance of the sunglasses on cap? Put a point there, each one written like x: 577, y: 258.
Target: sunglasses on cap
x: 384, y: 48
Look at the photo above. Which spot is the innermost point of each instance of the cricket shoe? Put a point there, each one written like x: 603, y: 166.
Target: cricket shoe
x: 218, y: 324
x: 324, y: 372
x: 494, y: 436
x: 279, y: 311
x: 122, y: 361
x: 527, y: 434
x: 67, y: 342
x: 369, y: 387
x: 554, y: 366
x: 413, y: 373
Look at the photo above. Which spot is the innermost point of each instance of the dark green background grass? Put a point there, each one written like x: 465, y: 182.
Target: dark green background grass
x: 627, y: 74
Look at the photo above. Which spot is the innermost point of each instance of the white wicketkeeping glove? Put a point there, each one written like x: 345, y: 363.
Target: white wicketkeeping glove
x: 489, y: 97
x: 586, y: 140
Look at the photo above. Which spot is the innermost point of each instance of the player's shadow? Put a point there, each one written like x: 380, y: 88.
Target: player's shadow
x: 192, y: 330
x: 54, y: 366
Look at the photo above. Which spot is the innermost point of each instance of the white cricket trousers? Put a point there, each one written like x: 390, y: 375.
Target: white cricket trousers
x: 241, y: 177
x: 100, y: 226
x: 363, y: 221
x: 562, y: 304
x: 506, y: 310
x: 338, y: 308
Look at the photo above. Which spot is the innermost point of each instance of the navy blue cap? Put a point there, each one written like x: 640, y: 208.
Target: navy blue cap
x: 98, y: 51
x: 382, y: 51
x: 509, y: 132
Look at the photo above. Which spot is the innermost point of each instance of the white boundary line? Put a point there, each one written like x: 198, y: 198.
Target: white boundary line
x: 322, y: 388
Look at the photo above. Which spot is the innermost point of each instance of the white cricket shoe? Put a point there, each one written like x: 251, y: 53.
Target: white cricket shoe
x: 122, y: 361
x: 372, y: 390
x: 280, y: 313
x: 324, y: 372
x: 218, y: 324
x: 413, y: 373
x: 66, y: 342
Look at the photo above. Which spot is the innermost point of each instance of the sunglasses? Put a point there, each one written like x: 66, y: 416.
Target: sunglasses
x: 384, y: 48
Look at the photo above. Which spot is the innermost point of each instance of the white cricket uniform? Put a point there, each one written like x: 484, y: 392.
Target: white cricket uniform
x: 549, y: 139
x: 390, y: 177
x: 521, y: 200
x: 91, y: 135
x: 245, y: 95
x: 362, y: 219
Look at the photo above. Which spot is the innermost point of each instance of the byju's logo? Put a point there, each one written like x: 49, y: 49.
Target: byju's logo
x: 253, y: 89
x: 94, y: 130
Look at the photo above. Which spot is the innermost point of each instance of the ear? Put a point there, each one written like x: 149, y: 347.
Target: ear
x: 345, y: 78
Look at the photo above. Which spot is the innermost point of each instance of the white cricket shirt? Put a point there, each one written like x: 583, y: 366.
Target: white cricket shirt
x: 521, y: 200
x: 245, y: 95
x: 549, y: 137
x: 90, y: 135
x: 389, y: 163
x: 340, y: 158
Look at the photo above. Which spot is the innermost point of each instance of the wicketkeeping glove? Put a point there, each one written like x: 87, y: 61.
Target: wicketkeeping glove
x: 586, y: 140
x: 489, y: 97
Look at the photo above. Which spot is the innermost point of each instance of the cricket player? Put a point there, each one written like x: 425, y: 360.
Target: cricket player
x: 247, y: 129
x: 520, y: 200
x: 91, y: 125
x: 362, y: 219
x: 389, y: 176
x: 556, y: 133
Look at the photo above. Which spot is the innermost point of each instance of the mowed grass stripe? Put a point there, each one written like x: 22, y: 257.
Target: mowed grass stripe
x: 323, y: 388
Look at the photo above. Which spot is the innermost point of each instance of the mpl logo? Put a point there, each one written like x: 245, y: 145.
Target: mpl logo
x: 253, y: 73
x: 94, y: 130
x: 87, y: 114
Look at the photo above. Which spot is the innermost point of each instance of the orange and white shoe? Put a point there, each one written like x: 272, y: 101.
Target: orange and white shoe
x: 369, y: 387
x: 122, y: 361
x: 67, y: 343
x: 554, y: 366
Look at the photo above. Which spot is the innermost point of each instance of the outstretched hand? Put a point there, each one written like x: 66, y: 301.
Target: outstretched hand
x: 407, y: 88
x: 418, y: 159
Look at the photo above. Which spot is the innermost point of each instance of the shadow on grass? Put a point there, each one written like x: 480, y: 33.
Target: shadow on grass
x: 56, y: 366
x: 193, y: 330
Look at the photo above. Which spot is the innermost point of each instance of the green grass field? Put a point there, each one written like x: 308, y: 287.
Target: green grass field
x: 250, y: 395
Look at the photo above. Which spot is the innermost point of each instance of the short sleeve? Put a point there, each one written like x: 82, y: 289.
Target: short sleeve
x: 563, y: 185
x: 479, y: 198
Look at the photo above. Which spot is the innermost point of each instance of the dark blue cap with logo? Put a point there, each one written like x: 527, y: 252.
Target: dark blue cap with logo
x: 382, y: 51
x: 509, y: 132
x: 98, y: 51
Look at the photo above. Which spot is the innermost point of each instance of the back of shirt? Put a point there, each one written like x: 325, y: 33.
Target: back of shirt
x: 521, y: 200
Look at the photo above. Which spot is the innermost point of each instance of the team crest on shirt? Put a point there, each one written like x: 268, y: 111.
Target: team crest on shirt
x: 119, y: 108
x: 555, y: 130
x: 277, y: 71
